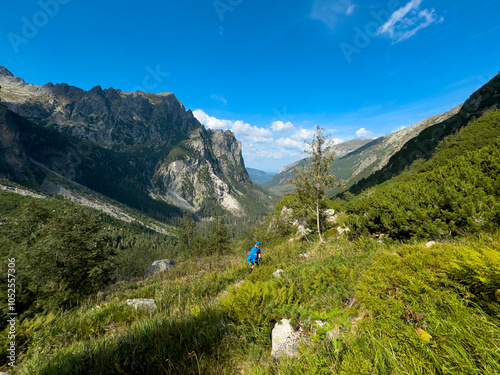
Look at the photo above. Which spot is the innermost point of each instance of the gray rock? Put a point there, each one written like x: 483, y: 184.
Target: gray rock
x: 302, y: 231
x: 430, y: 244
x: 147, y: 303
x: 159, y: 266
x: 285, y: 340
x: 277, y: 273
x: 330, y: 215
x: 341, y: 230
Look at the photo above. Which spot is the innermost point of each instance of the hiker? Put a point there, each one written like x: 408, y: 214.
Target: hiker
x: 254, y: 257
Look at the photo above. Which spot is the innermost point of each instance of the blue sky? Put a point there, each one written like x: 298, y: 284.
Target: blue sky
x: 268, y: 71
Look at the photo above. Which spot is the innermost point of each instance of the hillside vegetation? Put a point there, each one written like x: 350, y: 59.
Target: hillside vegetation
x: 398, y: 304
x: 456, y: 192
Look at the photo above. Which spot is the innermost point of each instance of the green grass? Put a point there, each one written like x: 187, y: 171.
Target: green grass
x: 205, y: 325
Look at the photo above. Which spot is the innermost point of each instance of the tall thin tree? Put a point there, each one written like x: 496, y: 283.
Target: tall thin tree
x: 314, y: 177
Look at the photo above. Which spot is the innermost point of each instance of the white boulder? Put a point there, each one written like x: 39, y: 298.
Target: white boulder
x: 285, y: 340
x: 147, y: 303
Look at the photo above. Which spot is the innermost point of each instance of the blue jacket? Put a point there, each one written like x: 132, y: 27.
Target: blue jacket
x: 253, y: 255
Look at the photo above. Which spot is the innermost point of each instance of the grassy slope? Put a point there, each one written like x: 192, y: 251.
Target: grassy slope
x: 198, y: 329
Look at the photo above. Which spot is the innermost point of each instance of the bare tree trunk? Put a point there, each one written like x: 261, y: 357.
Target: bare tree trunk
x: 317, y: 221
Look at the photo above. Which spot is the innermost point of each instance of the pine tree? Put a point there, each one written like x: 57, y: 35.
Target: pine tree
x: 315, y: 177
x: 187, y: 233
x: 219, y: 237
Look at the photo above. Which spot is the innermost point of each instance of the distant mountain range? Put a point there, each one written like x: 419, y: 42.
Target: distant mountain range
x: 144, y: 150
x: 258, y: 176
x: 359, y: 164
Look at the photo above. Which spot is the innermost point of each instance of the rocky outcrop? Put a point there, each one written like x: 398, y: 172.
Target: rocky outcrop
x: 159, y: 266
x: 286, y: 340
x: 112, y: 118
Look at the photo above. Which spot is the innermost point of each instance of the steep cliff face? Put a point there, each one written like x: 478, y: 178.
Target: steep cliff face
x: 142, y: 149
x: 208, y: 165
x: 14, y: 162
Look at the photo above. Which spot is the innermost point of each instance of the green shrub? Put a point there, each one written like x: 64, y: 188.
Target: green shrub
x: 419, y: 320
x: 455, y: 199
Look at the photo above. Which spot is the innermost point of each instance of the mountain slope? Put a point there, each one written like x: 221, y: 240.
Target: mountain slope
x: 358, y: 158
x: 144, y: 150
x: 423, y: 145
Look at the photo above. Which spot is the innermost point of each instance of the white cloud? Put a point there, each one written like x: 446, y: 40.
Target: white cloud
x: 304, y: 134
x: 336, y: 141
x: 265, y: 148
x: 329, y: 11
x: 212, y: 122
x: 240, y: 128
x: 280, y: 126
x: 288, y: 142
x: 408, y: 20
x: 363, y: 133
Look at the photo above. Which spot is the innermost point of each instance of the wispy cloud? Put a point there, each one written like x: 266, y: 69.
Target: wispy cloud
x: 219, y: 98
x: 408, y: 20
x: 330, y: 11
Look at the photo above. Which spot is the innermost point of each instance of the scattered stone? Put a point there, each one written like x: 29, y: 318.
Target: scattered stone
x: 341, y: 230
x: 330, y: 215
x: 285, y: 340
x: 430, y: 244
x: 159, y: 266
x: 147, y: 303
x: 286, y: 213
x: 277, y: 273
x: 302, y: 231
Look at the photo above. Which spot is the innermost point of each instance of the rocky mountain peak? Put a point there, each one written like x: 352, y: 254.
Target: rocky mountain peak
x: 5, y: 72
x: 142, y: 149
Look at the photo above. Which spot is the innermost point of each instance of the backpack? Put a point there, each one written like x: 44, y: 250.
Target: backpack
x: 252, y: 256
